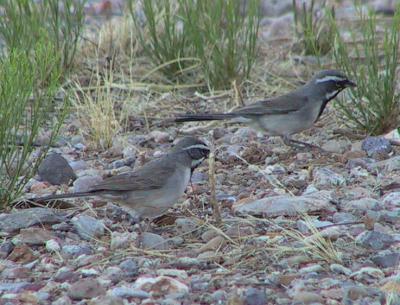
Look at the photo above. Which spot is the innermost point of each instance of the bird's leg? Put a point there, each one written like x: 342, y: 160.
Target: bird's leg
x: 299, y: 144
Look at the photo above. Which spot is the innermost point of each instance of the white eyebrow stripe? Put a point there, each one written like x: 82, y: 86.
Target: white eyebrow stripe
x: 197, y: 146
x: 329, y: 78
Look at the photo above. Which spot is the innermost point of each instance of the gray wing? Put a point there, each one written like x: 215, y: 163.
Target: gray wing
x: 279, y: 105
x: 152, y: 175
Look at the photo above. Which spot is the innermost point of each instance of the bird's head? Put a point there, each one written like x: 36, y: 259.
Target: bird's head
x: 196, y: 149
x: 330, y: 83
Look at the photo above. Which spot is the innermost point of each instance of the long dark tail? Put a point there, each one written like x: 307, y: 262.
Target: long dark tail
x: 61, y: 196
x: 203, y: 117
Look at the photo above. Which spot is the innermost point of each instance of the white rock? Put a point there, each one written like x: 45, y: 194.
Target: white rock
x: 52, y: 246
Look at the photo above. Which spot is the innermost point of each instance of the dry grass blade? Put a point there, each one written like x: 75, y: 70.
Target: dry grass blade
x: 95, y: 110
x: 314, y: 245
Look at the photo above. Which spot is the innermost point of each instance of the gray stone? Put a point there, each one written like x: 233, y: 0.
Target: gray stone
x: 377, y: 147
x: 5, y: 249
x: 15, y: 287
x: 287, y: 205
x: 367, y: 273
x: 85, y: 289
x: 84, y: 183
x: 76, y: 250
x: 340, y: 217
x: 390, y: 216
x: 304, y: 227
x: 29, y: 217
x: 56, y: 170
x: 375, y: 240
x: 88, y: 227
x: 219, y: 296
x: 63, y: 300
x: 123, y: 162
x: 128, y: 292
x: 337, y: 268
x: 325, y: 177
x: 122, y: 240
x: 386, y: 259
x: 153, y: 241
x: 255, y: 296
x: 362, y: 204
x: 129, y: 267
x: 32, y: 236
x: 337, y: 146
x: 159, y: 137
x: 365, y: 163
x: 78, y: 165
x: 106, y: 300
x: 392, y: 200
x: 187, y: 263
x: 186, y: 225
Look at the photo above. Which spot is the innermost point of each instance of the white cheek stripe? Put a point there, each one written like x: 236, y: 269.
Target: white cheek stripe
x: 328, y: 96
x: 330, y: 78
x: 201, y: 146
x: 197, y: 162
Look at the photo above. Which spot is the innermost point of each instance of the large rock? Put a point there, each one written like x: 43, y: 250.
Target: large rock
x: 85, y: 289
x: 33, y: 236
x: 88, y: 227
x: 153, y: 241
x: 377, y: 147
x: 287, y: 205
x: 56, y: 170
x: 161, y: 286
x: 325, y: 177
x: 29, y: 217
x: 375, y: 240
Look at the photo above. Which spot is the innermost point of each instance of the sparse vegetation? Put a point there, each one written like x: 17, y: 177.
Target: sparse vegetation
x: 312, y: 27
x: 212, y: 42
x: 95, y: 107
x: 23, y: 22
x: 28, y: 84
x: 371, y: 60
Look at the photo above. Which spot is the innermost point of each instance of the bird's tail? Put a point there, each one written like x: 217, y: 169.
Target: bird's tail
x: 203, y: 117
x: 60, y: 196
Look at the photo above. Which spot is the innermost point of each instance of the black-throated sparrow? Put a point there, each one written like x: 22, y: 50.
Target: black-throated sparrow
x: 154, y: 188
x: 286, y: 114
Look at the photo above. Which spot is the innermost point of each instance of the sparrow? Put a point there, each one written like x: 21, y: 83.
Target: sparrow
x: 154, y: 188
x: 287, y: 114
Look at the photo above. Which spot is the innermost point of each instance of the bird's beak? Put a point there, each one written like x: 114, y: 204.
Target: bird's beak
x: 350, y: 83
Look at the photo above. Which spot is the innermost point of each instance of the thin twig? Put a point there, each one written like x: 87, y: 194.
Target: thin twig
x: 212, y: 183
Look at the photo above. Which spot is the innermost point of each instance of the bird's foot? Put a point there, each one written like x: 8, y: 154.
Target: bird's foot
x: 301, y: 145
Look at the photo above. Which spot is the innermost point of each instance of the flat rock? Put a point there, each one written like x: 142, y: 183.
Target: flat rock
x: 88, y: 227
x: 29, y: 217
x: 5, y: 249
x: 287, y: 205
x: 377, y: 147
x: 254, y: 296
x: 161, y: 286
x: 106, y: 300
x: 363, y: 204
x: 56, y: 170
x: 325, y: 177
x: 33, y: 236
x: 386, y: 259
x: 84, y: 183
x: 153, y: 241
x: 85, y: 289
x: 375, y: 240
x: 129, y: 292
